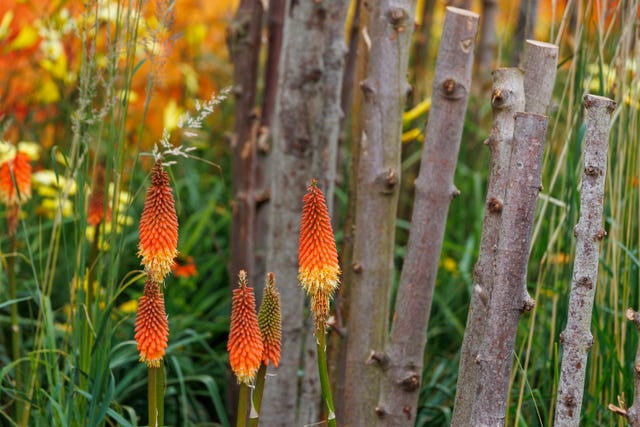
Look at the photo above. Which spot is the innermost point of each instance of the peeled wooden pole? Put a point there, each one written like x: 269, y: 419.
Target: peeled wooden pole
x: 507, y: 98
x: 540, y: 67
x: 576, y: 339
x: 387, y: 30
x: 403, y: 361
x: 506, y: 303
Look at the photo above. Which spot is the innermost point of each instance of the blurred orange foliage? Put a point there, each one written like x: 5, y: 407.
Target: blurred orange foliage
x: 182, y: 47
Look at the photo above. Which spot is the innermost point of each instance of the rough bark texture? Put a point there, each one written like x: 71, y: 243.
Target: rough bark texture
x: 540, y: 66
x: 275, y: 24
x: 434, y: 192
x: 305, y: 132
x: 506, y: 99
x: 262, y: 190
x: 506, y: 305
x: 387, y: 35
x: 576, y: 338
x: 244, y: 47
x: 487, y: 43
x: 631, y: 414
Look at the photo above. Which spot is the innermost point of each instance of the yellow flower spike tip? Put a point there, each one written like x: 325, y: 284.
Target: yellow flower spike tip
x: 158, y: 226
x: 269, y: 322
x: 245, y: 343
x: 152, y: 328
x: 318, y: 258
x: 320, y: 306
x: 19, y: 193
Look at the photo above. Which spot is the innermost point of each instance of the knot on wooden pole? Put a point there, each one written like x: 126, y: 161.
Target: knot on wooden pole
x: 410, y: 383
x: 494, y: 205
x: 378, y: 358
x: 452, y: 90
x: 388, y: 181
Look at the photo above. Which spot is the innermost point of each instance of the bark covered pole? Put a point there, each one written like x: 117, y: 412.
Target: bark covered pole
x: 540, y: 67
x: 387, y: 32
x: 507, y: 98
x: 488, y: 41
x: 244, y: 45
x: 243, y: 38
x: 506, y: 302
x: 305, y: 129
x: 262, y: 191
x: 576, y: 338
x: 434, y: 191
x: 632, y: 413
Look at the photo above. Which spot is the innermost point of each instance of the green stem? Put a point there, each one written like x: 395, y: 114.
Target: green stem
x: 15, y: 324
x: 242, y: 405
x: 324, y: 375
x: 156, y: 396
x: 256, y: 396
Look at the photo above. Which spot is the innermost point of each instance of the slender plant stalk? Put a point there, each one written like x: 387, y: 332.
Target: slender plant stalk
x: 15, y: 324
x: 156, y: 395
x: 256, y: 396
x: 506, y: 303
x: 305, y: 131
x: 243, y: 398
x: 631, y: 414
x: 434, y: 191
x: 576, y: 338
x: 327, y: 396
x: 507, y: 98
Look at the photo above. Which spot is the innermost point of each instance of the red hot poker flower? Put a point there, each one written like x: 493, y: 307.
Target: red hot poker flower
x: 269, y: 322
x: 318, y: 258
x: 245, y: 343
x: 96, y: 201
x: 152, y: 328
x: 21, y: 169
x: 158, y: 226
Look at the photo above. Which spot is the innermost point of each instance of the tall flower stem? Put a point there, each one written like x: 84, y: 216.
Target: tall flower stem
x: 15, y: 325
x: 243, y: 397
x: 327, y: 397
x: 256, y: 396
x: 156, y: 395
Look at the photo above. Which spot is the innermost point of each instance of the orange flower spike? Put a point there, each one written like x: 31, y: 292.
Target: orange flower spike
x: 158, y: 226
x: 21, y: 169
x: 318, y: 258
x: 269, y: 322
x: 152, y: 328
x: 245, y: 343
